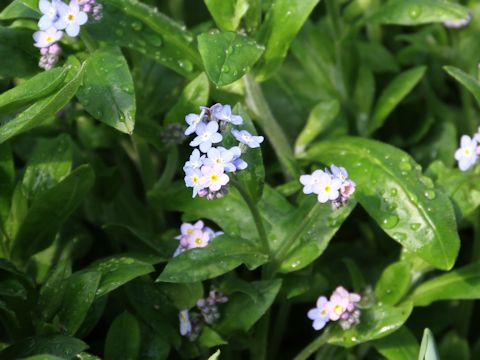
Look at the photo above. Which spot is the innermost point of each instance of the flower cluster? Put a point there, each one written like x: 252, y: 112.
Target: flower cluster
x: 206, y: 170
x: 191, y: 321
x: 194, y: 236
x: 469, y: 151
x: 342, y: 307
x: 57, y: 17
x: 332, y: 184
x: 459, y: 23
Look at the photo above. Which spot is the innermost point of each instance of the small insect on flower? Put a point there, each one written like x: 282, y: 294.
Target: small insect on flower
x: 466, y: 155
x: 246, y: 138
x: 207, y: 134
x: 70, y: 18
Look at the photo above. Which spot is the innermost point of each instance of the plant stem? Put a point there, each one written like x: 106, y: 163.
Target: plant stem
x: 258, y: 106
x: 313, y: 347
x: 332, y: 11
x: 279, y: 329
x: 89, y: 42
x: 255, y: 214
x: 285, y: 247
x: 169, y: 170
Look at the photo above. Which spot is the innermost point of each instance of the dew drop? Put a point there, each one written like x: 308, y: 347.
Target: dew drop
x: 137, y: 25
x: 414, y: 12
x: 430, y: 194
x: 185, y: 64
x: 393, y: 192
x: 427, y: 182
x: 390, y: 222
x: 414, y: 198
x: 225, y: 69
x: 415, y: 226
x: 399, y: 236
x: 405, y: 166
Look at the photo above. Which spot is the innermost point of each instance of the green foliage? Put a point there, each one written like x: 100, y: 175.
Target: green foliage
x: 92, y: 191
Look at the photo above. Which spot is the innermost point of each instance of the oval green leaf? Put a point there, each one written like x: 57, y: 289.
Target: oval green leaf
x: 401, y: 345
x: 107, y: 91
x: 417, y: 12
x: 393, y: 190
x: 123, y: 338
x: 470, y: 82
x: 393, y: 283
x: 227, y: 56
x: 393, y: 94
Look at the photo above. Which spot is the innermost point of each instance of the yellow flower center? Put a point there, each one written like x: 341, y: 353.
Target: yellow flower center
x: 198, y: 240
x: 327, y: 188
x: 49, y: 39
x: 71, y: 17
x: 214, y: 177
x: 195, y: 179
x: 189, y: 231
x: 467, y: 151
x: 338, y: 309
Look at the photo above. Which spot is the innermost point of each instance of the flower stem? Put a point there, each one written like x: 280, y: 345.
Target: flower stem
x: 288, y: 243
x: 169, y: 170
x: 89, y: 42
x: 258, y: 106
x: 313, y: 347
x: 255, y: 214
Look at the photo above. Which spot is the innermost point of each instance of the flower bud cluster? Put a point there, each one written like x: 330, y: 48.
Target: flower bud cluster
x: 330, y: 185
x: 342, y: 307
x: 206, y: 170
x: 58, y: 17
x: 194, y: 236
x: 469, y: 151
x: 206, y: 312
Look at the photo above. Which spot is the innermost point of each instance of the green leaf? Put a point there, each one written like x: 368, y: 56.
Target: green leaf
x: 7, y: 180
x: 461, y: 284
x: 50, y: 163
x: 470, y: 82
x: 314, y: 236
x: 428, y: 348
x: 240, y: 313
x: 144, y: 29
x: 51, y: 293
x: 392, y: 189
x: 65, y: 347
x: 183, y: 296
x: 215, y: 356
x: 223, y: 254
x: 194, y: 95
x: 77, y: 299
x: 282, y: 23
x: 117, y: 270
x: 375, y: 323
x: 463, y: 188
x: 363, y: 96
x: 393, y: 283
x: 107, y: 91
x: 227, y: 56
x: 50, y: 210
x: 227, y: 13
x: 37, y: 87
x: 393, y: 94
x: 123, y: 338
x: 454, y: 347
x: 210, y: 338
x: 320, y: 118
x: 400, y: 345
x: 417, y: 12
x: 44, y: 109
x: 20, y: 9
x: 18, y: 57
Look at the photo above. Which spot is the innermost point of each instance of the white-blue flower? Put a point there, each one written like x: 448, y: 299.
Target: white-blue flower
x: 246, y: 138
x: 327, y: 188
x: 193, y: 179
x: 70, y: 18
x: 193, y: 120
x: 185, y: 324
x: 237, y: 161
x: 49, y: 10
x: 195, y: 162
x: 339, y: 172
x: 46, y: 38
x: 221, y: 156
x: 466, y: 155
x: 224, y: 113
x: 206, y: 136
x: 310, y: 182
